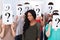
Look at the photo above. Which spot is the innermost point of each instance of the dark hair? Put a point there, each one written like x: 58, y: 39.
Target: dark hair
x: 27, y: 22
x: 50, y: 3
x: 55, y: 12
x: 1, y: 17
x: 32, y: 12
x: 50, y: 20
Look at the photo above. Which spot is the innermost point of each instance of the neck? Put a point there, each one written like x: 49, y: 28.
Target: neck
x: 33, y: 22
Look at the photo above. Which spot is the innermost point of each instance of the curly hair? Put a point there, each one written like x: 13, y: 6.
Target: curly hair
x: 27, y: 22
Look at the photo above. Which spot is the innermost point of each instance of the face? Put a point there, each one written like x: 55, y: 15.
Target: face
x: 30, y: 17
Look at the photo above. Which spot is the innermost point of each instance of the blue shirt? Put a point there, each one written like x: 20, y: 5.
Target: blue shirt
x: 54, y: 35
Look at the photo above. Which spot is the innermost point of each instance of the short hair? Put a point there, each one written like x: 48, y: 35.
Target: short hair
x: 55, y: 12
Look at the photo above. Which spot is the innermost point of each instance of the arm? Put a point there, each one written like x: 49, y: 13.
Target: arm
x: 13, y: 29
x: 38, y: 30
x: 3, y: 30
x: 48, y: 32
x: 48, y: 29
x: 13, y: 26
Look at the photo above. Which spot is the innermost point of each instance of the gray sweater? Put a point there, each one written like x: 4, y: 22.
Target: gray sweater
x: 19, y: 29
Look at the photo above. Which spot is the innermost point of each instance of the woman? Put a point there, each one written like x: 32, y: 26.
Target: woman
x: 19, y: 28
x: 51, y: 33
x: 6, y: 32
x: 31, y: 27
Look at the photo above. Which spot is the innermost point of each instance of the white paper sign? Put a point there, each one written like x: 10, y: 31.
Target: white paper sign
x: 7, y: 14
x: 6, y: 7
x: 56, y: 22
x: 20, y: 10
x: 27, y: 7
x: 37, y: 8
x: 50, y: 7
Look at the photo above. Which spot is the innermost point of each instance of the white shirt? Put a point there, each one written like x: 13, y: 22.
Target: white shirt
x: 19, y: 29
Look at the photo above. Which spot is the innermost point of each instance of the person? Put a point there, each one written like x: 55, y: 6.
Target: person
x: 19, y: 22
x: 40, y: 19
x: 50, y: 32
x: 31, y: 27
x: 6, y: 33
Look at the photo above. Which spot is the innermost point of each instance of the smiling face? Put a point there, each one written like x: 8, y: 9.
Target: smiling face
x: 30, y: 17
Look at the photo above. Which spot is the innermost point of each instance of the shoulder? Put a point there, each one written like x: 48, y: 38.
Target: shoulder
x: 47, y: 26
x: 38, y: 24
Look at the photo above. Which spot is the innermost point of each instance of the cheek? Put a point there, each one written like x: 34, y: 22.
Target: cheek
x: 30, y: 18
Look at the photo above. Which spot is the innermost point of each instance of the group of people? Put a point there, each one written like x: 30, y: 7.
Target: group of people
x: 29, y: 27
x: 25, y: 27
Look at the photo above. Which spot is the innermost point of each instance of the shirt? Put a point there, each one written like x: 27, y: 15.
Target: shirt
x: 32, y: 32
x: 19, y: 29
x: 54, y: 35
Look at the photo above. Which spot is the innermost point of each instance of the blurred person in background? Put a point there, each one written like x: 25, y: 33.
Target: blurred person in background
x: 50, y: 32
x: 18, y: 32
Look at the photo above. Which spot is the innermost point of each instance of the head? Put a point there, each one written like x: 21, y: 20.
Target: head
x: 30, y: 15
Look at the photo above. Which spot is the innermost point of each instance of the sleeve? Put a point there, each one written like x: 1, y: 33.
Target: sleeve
x: 38, y: 30
x: 46, y: 28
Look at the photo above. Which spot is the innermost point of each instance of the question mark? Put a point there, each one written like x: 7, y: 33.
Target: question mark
x: 7, y: 8
x: 58, y: 21
x: 20, y: 9
x: 27, y: 8
x: 50, y: 7
x: 7, y: 14
x: 38, y: 10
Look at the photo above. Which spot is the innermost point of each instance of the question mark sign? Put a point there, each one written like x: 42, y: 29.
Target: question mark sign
x: 7, y: 14
x: 20, y: 9
x: 27, y: 8
x: 7, y: 8
x: 38, y: 10
x: 58, y: 21
x: 50, y: 7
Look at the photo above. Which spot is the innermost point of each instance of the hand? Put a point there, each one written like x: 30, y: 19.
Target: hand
x: 38, y: 39
x: 3, y: 26
x: 16, y: 18
x: 12, y: 26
